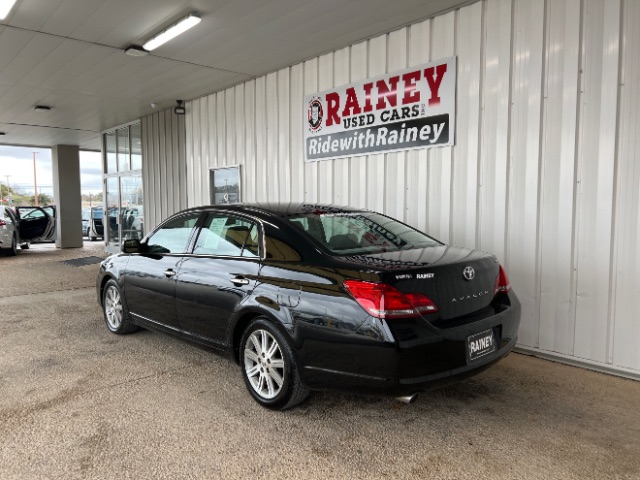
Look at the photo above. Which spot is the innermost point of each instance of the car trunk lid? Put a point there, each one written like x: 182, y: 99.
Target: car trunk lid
x: 459, y: 281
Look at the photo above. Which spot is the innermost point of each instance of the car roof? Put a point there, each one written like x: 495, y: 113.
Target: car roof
x: 281, y: 209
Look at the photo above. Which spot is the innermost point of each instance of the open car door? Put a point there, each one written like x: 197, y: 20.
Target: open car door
x: 51, y: 210
x: 35, y: 224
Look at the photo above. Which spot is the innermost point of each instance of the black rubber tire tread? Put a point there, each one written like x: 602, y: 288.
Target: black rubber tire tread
x: 25, y: 246
x: 126, y: 326
x: 13, y: 251
x: 294, y: 391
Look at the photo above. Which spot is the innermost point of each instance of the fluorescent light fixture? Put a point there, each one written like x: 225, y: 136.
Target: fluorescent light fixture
x: 136, y: 51
x: 172, y: 32
x: 5, y: 8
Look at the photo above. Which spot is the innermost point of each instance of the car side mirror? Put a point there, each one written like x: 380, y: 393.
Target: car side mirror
x: 131, y: 246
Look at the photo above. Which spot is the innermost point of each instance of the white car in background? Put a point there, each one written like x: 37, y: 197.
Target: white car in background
x: 86, y: 218
x: 30, y: 224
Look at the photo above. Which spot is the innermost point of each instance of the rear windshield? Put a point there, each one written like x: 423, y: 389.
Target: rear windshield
x: 360, y: 232
x: 97, y: 214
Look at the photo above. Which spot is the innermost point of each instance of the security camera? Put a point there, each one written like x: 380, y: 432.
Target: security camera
x: 180, y: 110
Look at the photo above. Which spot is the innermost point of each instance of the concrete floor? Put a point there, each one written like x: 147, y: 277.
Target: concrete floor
x: 79, y: 402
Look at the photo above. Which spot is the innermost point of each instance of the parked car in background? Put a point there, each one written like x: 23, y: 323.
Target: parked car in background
x: 34, y: 225
x: 37, y: 224
x: 96, y: 224
x: 86, y: 216
x: 315, y: 297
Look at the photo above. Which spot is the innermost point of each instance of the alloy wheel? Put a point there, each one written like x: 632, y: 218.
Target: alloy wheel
x: 113, y: 307
x: 264, y: 364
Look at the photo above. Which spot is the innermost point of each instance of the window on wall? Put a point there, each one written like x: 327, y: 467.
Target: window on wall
x: 110, y: 150
x: 124, y: 200
x: 124, y: 160
x: 123, y: 149
x: 135, y: 134
x: 225, y: 185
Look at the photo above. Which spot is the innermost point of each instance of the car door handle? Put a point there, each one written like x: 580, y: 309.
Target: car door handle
x: 239, y: 280
x: 169, y: 273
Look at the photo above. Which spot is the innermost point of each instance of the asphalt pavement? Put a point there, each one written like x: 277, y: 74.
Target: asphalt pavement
x: 77, y: 402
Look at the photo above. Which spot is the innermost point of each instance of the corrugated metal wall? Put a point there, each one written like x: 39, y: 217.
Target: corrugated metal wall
x: 163, y: 166
x: 543, y: 172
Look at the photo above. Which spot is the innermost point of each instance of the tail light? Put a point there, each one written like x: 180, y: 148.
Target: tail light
x: 2, y: 223
x: 384, y: 301
x: 502, y: 283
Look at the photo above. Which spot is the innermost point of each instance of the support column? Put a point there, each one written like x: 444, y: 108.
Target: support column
x: 67, y: 194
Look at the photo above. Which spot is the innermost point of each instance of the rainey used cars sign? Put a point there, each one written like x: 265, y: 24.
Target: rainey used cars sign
x: 412, y: 108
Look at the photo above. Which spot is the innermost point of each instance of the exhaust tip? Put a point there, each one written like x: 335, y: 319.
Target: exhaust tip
x: 408, y: 399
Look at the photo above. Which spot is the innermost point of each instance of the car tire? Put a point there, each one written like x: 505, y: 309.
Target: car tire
x: 92, y: 239
x: 25, y: 246
x: 115, y: 314
x: 269, y: 368
x: 13, y: 251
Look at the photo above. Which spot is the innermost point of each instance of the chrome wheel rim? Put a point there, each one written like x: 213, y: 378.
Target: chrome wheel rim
x: 113, y: 308
x: 264, y: 364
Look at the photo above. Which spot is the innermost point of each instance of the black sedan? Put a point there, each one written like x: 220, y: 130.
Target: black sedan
x: 309, y: 297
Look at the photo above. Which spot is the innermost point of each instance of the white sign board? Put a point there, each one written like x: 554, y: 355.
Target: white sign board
x: 412, y: 108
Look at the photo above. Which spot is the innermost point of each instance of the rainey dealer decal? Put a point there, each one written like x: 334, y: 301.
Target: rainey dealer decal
x: 412, y: 108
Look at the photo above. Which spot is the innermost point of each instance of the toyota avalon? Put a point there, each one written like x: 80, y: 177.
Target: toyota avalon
x: 308, y: 297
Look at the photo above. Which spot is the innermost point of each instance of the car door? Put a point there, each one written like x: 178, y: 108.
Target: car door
x: 96, y: 225
x: 149, y: 283
x: 52, y: 212
x: 219, y: 274
x: 34, y: 223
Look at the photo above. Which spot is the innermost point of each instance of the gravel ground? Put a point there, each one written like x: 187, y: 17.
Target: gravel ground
x: 78, y: 402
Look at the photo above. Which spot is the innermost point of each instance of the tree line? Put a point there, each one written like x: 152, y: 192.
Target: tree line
x: 24, y: 199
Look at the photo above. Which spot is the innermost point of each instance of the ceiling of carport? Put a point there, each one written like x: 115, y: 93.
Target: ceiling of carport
x: 68, y: 54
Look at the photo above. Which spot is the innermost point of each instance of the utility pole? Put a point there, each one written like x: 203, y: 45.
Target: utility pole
x: 35, y: 183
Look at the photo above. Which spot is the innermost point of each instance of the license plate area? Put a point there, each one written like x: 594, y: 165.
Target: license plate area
x: 481, y: 344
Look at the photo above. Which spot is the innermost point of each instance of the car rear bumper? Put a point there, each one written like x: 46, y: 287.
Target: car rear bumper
x: 421, y: 357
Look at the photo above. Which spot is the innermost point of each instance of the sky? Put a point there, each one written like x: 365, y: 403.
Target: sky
x: 18, y: 163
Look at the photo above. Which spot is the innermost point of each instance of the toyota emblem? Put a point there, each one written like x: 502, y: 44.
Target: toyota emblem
x: 468, y: 273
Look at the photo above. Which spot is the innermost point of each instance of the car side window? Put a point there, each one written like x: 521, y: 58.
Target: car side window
x: 227, y: 235
x: 280, y: 250
x: 173, y: 236
x: 33, y: 214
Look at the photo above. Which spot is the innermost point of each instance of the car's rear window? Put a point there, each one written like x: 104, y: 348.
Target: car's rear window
x: 97, y: 214
x: 355, y: 233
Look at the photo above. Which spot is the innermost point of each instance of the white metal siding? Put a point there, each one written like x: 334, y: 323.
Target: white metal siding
x: 163, y: 166
x: 543, y: 172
